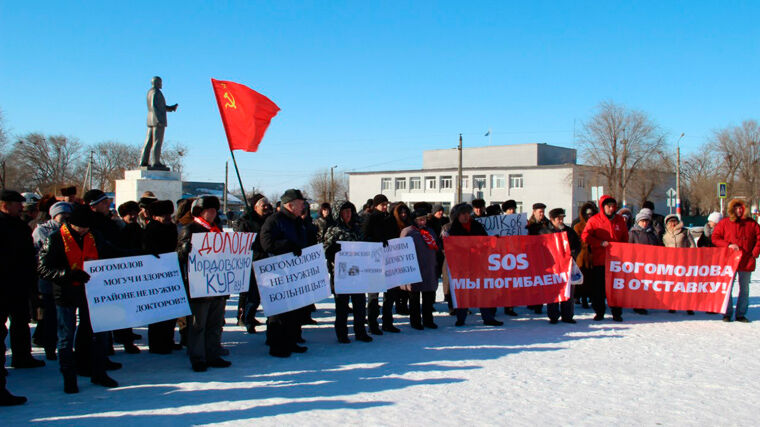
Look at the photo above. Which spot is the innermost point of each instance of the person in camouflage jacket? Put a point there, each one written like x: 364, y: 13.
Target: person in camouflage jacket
x: 346, y: 229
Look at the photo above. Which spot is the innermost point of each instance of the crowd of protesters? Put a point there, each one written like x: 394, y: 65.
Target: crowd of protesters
x: 46, y: 242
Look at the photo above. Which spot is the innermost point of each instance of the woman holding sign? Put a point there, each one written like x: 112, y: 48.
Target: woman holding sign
x: 427, y: 246
x: 345, y: 229
x: 462, y: 224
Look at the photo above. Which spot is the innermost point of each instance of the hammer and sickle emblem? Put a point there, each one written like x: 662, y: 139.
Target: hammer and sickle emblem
x: 230, y: 101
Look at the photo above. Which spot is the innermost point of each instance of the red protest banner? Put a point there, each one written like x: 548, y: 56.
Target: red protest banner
x: 508, y: 271
x: 639, y: 276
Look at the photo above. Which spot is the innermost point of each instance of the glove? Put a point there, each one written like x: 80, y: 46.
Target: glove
x: 297, y: 251
x: 337, y: 247
x: 80, y: 276
x: 385, y: 243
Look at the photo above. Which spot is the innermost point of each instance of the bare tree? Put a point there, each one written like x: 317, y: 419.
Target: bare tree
x: 649, y: 175
x: 174, y: 156
x: 700, y: 173
x: 46, y: 163
x: 617, y: 141
x: 738, y: 149
x: 110, y: 160
x: 322, y: 189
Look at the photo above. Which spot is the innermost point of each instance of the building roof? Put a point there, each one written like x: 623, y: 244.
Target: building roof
x: 464, y: 169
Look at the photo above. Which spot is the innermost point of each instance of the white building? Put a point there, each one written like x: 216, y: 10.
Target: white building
x: 527, y: 173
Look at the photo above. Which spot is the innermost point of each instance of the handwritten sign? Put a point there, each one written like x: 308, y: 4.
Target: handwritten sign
x: 401, y: 266
x: 219, y: 264
x: 134, y: 291
x: 505, y: 225
x: 359, y: 268
x: 287, y: 282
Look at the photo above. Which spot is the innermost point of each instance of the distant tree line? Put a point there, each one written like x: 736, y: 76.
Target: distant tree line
x: 45, y: 163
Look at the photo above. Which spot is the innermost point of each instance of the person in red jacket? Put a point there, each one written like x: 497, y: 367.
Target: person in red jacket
x: 601, y: 229
x: 739, y: 232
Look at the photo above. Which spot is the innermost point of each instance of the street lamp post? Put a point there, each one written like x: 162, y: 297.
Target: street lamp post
x: 678, y: 176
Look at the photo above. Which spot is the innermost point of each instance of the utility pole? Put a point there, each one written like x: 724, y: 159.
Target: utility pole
x: 91, y: 154
x: 459, y: 172
x: 226, y: 189
x: 331, y: 193
x: 678, y: 176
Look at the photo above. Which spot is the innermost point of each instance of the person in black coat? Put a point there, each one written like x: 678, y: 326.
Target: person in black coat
x: 252, y: 222
x: 17, y: 269
x: 160, y: 237
x: 60, y: 261
x: 373, y: 230
x: 538, y: 224
x: 204, y: 335
x: 567, y: 308
x: 283, y: 232
x: 398, y: 218
x: 463, y: 224
x: 130, y: 238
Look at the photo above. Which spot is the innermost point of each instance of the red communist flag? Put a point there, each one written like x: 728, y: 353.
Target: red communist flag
x: 245, y: 114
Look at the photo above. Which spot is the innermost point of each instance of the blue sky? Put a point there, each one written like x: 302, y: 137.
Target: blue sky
x: 369, y: 85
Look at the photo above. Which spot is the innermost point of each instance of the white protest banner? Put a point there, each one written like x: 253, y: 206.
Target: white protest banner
x: 359, y: 268
x: 401, y: 266
x: 219, y: 263
x: 287, y: 282
x: 134, y: 291
x: 505, y: 225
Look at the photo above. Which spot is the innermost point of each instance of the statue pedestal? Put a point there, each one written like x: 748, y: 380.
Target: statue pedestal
x: 166, y: 185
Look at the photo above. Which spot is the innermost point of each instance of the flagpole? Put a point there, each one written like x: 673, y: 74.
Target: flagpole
x: 237, y: 172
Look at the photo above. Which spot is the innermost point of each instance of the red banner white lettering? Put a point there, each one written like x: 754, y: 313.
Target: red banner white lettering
x: 639, y: 276
x: 508, y: 271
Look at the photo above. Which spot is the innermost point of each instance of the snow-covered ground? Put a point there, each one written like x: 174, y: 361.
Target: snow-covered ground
x: 663, y: 368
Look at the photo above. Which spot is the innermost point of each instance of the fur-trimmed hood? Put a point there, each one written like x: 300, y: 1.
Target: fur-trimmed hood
x: 733, y: 204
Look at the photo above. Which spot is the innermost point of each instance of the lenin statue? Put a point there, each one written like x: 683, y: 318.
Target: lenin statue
x: 157, y: 109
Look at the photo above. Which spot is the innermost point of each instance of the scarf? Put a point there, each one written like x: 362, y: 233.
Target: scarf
x: 210, y: 227
x: 467, y: 226
x: 428, y: 238
x: 76, y: 255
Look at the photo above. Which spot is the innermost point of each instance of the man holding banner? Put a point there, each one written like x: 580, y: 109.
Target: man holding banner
x: 204, y: 338
x: 601, y: 229
x: 284, y: 232
x: 62, y: 263
x: 345, y: 229
x: 739, y: 232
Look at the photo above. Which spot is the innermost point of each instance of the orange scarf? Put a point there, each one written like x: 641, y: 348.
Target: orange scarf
x: 76, y: 255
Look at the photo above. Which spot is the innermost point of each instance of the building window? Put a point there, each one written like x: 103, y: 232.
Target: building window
x: 497, y: 181
x: 430, y: 182
x: 465, y: 182
x: 519, y: 208
x: 415, y: 183
x: 385, y: 183
x: 445, y: 182
x: 479, y: 182
x: 581, y: 181
x: 400, y: 183
x: 516, y: 181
